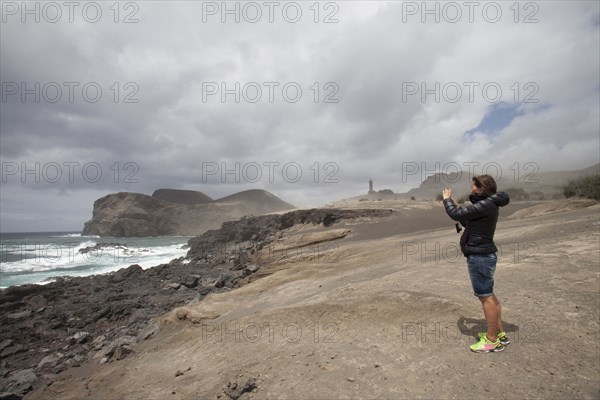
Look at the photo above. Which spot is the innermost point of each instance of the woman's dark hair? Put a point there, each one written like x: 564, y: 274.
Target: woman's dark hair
x: 486, y: 184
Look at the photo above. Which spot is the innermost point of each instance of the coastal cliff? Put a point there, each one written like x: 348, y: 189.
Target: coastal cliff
x: 126, y: 214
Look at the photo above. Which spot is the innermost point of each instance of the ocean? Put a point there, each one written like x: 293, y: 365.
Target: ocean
x: 42, y: 256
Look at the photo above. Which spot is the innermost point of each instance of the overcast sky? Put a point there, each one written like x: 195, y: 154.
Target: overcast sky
x: 307, y: 100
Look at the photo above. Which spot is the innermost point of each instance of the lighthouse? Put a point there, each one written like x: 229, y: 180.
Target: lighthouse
x: 370, y: 185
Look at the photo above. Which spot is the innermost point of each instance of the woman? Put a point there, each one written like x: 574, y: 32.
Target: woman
x: 477, y: 244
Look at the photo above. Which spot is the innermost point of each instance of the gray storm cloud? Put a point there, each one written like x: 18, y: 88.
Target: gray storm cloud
x: 159, y: 122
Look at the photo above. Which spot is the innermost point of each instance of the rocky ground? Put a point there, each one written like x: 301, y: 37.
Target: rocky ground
x: 47, y: 329
x: 366, y: 307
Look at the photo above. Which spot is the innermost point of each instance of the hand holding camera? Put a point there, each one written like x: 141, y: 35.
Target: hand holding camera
x: 446, y: 194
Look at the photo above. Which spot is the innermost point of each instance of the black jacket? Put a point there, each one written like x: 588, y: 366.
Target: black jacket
x: 479, y: 220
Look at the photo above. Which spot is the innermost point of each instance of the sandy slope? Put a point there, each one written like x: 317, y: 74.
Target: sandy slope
x: 390, y: 317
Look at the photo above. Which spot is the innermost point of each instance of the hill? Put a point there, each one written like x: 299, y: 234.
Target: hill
x: 528, y: 185
x: 128, y: 214
x: 260, y: 201
x: 181, y: 196
x: 542, y: 185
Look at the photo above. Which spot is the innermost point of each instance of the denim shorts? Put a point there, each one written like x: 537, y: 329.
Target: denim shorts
x: 481, y: 271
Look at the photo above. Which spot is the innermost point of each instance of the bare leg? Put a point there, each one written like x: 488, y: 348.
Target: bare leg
x: 491, y: 310
x: 499, y: 322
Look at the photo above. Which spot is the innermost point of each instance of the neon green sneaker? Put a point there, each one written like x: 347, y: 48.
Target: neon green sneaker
x: 486, y: 346
x: 501, y: 336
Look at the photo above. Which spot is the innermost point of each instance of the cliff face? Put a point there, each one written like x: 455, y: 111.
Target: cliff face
x: 134, y: 214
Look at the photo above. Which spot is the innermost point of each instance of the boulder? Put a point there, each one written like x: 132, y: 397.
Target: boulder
x: 234, y: 390
x: 118, y: 348
x: 190, y: 281
x: 80, y: 338
x: 125, y: 273
x: 150, y: 330
x: 21, y: 382
x: 104, y: 312
x: 173, y: 285
x: 252, y: 268
x: 37, y: 302
x: 98, y: 343
x: 49, y: 362
x: 10, y: 396
x: 9, y: 351
x: 18, y: 315
x: 5, y: 343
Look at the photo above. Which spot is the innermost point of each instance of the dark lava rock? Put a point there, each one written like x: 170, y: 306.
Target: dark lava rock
x: 9, y: 351
x: 260, y: 229
x: 21, y: 382
x: 190, y: 281
x: 110, y: 313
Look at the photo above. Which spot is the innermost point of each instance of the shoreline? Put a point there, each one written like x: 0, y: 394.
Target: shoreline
x: 38, y: 259
x: 48, y: 329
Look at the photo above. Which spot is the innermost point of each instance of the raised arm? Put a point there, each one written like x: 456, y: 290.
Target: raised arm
x: 471, y: 212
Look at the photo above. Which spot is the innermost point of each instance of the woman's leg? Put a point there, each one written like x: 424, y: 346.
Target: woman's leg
x: 481, y: 272
x: 499, y: 322
x: 490, y: 310
x: 493, y: 315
